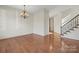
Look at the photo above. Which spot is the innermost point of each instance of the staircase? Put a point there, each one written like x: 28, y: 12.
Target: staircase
x: 70, y: 25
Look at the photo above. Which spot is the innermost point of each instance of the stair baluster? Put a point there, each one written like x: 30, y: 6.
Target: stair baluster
x: 70, y: 25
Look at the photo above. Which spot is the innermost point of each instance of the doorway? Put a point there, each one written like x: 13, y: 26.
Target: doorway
x: 51, y: 34
x: 51, y: 25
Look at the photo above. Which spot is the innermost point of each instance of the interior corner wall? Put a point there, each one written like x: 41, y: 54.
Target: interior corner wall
x: 40, y: 22
x: 46, y: 22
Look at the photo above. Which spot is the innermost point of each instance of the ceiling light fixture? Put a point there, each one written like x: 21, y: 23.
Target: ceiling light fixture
x: 24, y: 13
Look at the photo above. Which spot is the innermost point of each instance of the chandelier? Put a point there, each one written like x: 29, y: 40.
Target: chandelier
x: 24, y: 13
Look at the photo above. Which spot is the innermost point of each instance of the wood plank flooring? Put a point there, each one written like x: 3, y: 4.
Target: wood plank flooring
x: 70, y: 45
x: 27, y: 43
x: 34, y: 43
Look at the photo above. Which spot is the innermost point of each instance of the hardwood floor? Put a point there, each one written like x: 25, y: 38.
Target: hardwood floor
x: 27, y: 43
x: 34, y: 43
x: 70, y: 45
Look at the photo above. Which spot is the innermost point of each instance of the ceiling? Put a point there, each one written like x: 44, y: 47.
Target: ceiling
x: 56, y: 8
x: 34, y: 8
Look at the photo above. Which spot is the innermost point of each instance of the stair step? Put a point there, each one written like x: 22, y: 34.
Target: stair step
x: 67, y: 31
x: 77, y: 24
x: 74, y: 23
x: 72, y: 29
x: 75, y: 27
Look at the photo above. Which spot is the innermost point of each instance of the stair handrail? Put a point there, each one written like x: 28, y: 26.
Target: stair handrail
x: 70, y: 20
x: 64, y: 26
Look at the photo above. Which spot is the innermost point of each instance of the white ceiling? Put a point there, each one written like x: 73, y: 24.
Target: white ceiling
x: 34, y: 8
x: 56, y: 8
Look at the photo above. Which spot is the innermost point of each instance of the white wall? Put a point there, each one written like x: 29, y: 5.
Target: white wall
x: 57, y: 20
x: 73, y: 35
x: 61, y: 17
x: 12, y: 25
x: 40, y: 23
x: 51, y: 24
x: 58, y: 15
x: 46, y: 22
x: 70, y: 16
x: 57, y: 23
